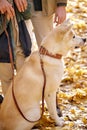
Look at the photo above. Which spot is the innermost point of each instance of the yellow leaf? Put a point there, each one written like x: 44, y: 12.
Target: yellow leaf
x: 71, y: 124
x: 82, y: 108
x: 84, y: 119
x: 66, y: 118
x: 72, y: 111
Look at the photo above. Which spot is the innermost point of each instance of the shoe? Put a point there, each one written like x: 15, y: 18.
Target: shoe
x: 59, y: 111
x: 1, y: 99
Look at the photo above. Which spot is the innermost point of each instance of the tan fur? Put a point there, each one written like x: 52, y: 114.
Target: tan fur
x: 29, y: 81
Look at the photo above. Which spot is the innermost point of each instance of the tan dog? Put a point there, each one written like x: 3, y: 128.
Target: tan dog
x: 28, y: 83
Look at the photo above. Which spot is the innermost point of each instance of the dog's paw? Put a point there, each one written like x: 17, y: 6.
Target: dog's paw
x: 60, y: 122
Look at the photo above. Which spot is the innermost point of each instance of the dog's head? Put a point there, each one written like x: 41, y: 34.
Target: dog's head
x: 62, y: 38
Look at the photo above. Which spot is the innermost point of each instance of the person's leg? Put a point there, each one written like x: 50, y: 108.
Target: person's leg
x: 42, y: 24
x: 5, y: 76
x: 6, y: 70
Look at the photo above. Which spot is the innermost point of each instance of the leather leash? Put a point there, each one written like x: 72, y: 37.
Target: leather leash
x: 12, y: 65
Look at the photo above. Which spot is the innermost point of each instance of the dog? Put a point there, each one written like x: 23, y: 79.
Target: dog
x: 44, y: 67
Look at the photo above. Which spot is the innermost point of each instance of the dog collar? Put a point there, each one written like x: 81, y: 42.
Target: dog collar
x: 44, y: 51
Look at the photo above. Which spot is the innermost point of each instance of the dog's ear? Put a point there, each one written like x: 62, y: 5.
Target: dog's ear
x: 68, y: 27
x: 66, y: 21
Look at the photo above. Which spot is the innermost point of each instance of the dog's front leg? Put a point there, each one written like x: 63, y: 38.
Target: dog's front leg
x: 51, y: 103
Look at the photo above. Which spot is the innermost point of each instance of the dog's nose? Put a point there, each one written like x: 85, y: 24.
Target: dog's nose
x: 84, y: 39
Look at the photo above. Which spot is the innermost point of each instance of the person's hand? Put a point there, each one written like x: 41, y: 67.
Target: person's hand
x: 60, y: 15
x: 6, y: 8
x: 21, y: 5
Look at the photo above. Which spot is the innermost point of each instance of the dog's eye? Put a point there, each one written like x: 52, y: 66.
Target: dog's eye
x: 73, y: 36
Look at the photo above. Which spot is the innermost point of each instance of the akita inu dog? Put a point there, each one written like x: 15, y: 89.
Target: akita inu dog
x: 43, y: 68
